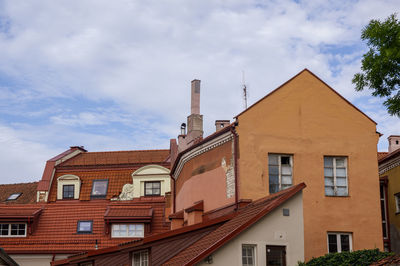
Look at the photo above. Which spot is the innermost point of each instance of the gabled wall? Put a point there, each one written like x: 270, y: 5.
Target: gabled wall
x: 306, y: 118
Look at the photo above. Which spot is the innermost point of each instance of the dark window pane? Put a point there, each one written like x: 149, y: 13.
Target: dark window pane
x: 384, y: 230
x: 285, y: 160
x: 332, y: 242
x: 345, y: 242
x: 273, y: 188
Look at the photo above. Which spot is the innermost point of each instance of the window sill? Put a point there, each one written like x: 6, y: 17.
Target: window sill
x: 337, y: 196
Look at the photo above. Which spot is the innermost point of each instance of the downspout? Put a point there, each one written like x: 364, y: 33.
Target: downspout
x: 174, y: 201
x: 235, y: 155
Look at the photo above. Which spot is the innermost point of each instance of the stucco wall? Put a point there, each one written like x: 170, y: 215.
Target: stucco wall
x: 268, y: 231
x: 394, y: 218
x: 36, y: 259
x: 308, y: 120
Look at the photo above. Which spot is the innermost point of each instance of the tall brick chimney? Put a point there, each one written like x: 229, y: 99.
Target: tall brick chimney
x: 195, y: 119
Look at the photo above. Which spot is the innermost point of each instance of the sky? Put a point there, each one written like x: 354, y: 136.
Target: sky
x: 115, y: 75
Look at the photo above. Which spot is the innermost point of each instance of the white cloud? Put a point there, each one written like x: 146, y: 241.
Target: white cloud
x: 141, y: 57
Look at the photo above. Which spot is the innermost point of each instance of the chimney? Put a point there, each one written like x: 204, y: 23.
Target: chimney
x: 220, y: 124
x: 195, y: 213
x: 394, y: 142
x: 195, y: 119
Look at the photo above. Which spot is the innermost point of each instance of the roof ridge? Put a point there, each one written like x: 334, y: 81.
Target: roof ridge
x: 26, y: 183
x: 91, y: 152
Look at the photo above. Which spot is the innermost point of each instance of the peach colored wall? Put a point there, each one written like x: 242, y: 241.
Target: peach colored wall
x: 204, y: 162
x: 209, y: 187
x: 307, y: 119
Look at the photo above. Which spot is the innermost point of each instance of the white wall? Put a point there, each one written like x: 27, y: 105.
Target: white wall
x: 272, y: 229
x: 36, y: 259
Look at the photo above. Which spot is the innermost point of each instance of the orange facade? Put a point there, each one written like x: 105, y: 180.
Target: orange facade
x: 309, y: 121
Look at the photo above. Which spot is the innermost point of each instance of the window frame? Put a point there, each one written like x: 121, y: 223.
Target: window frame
x: 280, y: 155
x: 84, y: 232
x: 397, y: 202
x: 127, y: 231
x: 15, y: 197
x: 73, y: 191
x: 152, y: 194
x: 334, y: 168
x: 254, y: 255
x: 144, y: 261
x: 9, y: 230
x: 98, y: 196
x: 338, y: 242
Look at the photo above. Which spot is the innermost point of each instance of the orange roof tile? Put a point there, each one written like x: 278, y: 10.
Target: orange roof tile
x: 28, y: 191
x: 118, y: 157
x: 56, y: 230
x: 18, y: 211
x: 382, y: 155
x: 391, y: 260
x: 128, y: 212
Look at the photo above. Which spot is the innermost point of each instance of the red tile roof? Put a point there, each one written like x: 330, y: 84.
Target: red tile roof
x: 118, y: 158
x: 128, y: 212
x: 28, y: 191
x: 20, y: 211
x: 382, y: 155
x: 217, y: 232
x: 244, y: 219
x: 56, y: 231
x: 391, y: 260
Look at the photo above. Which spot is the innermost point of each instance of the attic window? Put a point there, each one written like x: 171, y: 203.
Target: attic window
x: 85, y: 227
x: 99, y: 188
x: 14, y: 196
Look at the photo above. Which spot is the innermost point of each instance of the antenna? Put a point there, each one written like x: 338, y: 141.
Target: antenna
x: 244, y: 91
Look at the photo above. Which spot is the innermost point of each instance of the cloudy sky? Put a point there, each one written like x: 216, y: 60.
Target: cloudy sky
x: 112, y: 75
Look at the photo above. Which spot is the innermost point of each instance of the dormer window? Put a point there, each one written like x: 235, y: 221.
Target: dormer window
x: 68, y: 191
x: 99, y: 188
x: 14, y: 196
x: 68, y: 187
x: 152, y: 188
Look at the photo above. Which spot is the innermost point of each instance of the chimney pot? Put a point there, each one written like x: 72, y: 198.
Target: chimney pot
x: 220, y: 124
x: 394, y: 142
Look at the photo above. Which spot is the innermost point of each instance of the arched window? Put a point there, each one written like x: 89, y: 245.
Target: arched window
x: 68, y: 187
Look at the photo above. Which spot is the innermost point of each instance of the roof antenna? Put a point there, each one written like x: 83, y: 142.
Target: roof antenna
x: 244, y: 91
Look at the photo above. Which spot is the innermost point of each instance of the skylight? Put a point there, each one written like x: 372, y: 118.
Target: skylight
x: 14, y: 196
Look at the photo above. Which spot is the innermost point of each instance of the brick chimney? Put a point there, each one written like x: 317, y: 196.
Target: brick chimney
x: 195, y: 213
x: 195, y: 119
x: 394, y: 142
x: 220, y: 124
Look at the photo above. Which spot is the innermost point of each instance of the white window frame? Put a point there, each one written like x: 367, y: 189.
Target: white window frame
x: 144, y: 258
x: 339, y: 243
x: 397, y: 202
x: 113, y: 229
x: 9, y: 230
x: 254, y: 248
x: 334, y: 176
x: 280, y: 167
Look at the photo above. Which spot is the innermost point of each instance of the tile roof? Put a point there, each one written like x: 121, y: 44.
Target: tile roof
x: 182, y: 247
x: 245, y: 217
x: 123, y: 212
x: 382, y: 155
x: 56, y: 231
x: 20, y: 211
x: 391, y: 260
x: 117, y: 158
x: 28, y: 191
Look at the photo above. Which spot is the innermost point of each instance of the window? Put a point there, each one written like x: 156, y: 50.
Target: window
x: 339, y: 242
x: 335, y: 172
x: 14, y: 196
x: 397, y: 201
x: 382, y: 189
x: 68, y: 191
x: 12, y: 230
x: 99, y: 188
x: 280, y: 172
x: 248, y: 255
x: 276, y: 255
x: 127, y: 230
x: 152, y: 188
x: 140, y: 258
x: 85, y: 227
